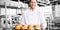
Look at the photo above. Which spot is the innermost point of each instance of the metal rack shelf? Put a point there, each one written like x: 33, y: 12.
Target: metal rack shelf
x: 12, y: 7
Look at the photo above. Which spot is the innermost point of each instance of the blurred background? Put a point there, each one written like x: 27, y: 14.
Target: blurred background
x: 11, y: 13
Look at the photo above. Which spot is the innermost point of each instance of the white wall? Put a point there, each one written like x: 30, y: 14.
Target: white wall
x: 9, y: 11
x: 2, y: 11
x: 57, y: 10
x: 10, y: 3
x: 47, y: 10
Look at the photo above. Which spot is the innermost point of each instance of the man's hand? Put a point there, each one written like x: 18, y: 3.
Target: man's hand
x: 42, y: 27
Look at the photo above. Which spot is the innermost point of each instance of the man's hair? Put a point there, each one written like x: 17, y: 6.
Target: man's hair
x: 29, y: 2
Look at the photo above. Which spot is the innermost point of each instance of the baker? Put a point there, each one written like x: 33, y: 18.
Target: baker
x: 33, y: 15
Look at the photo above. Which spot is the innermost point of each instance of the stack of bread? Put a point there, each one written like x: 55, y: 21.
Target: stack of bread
x: 27, y: 27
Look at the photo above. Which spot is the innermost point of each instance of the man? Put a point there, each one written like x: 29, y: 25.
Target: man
x: 34, y: 15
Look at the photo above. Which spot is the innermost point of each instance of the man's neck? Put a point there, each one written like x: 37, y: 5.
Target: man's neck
x: 32, y: 9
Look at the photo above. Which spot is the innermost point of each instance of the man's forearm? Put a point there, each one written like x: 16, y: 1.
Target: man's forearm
x: 43, y: 27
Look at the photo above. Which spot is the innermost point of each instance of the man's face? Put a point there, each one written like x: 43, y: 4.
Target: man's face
x: 33, y: 4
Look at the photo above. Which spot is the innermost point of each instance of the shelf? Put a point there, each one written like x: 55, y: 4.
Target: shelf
x: 3, y: 6
x: 2, y: 16
x: 55, y: 27
x: 12, y: 7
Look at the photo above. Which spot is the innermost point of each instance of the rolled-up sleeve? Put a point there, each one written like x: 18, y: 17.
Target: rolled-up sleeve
x: 23, y: 21
x: 42, y: 19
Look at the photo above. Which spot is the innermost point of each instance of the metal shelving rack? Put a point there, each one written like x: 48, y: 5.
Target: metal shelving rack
x: 52, y: 26
x: 5, y: 6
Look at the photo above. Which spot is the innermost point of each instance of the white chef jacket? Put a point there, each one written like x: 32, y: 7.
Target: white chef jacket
x: 34, y: 17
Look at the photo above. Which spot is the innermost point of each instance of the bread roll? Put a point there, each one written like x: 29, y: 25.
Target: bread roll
x: 24, y: 26
x: 37, y: 26
x: 31, y: 27
x: 18, y: 26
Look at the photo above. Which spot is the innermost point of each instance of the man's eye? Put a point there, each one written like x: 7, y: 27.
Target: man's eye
x: 33, y: 2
